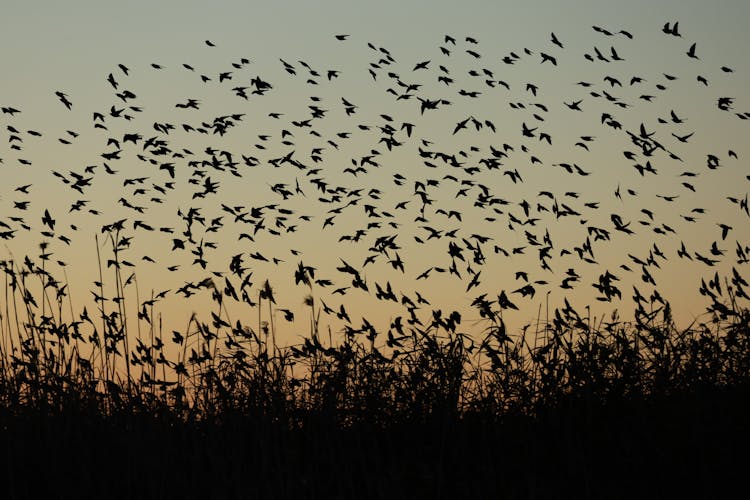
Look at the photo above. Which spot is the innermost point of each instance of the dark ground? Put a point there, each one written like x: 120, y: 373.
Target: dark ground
x: 687, y: 446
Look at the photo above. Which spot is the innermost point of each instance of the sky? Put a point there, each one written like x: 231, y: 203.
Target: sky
x: 366, y: 171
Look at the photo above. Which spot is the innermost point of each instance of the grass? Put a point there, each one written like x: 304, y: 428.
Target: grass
x: 91, y: 404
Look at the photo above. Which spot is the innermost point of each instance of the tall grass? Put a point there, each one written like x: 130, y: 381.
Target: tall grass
x: 94, y: 376
x: 52, y: 362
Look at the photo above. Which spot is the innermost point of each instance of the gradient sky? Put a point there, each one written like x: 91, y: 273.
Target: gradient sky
x: 73, y: 46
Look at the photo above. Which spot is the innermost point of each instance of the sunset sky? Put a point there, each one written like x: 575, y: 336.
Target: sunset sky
x: 510, y: 191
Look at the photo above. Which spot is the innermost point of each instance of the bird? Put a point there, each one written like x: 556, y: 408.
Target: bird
x: 574, y: 105
x: 48, y: 220
x: 671, y: 31
x: 691, y: 52
x: 547, y: 57
x: 555, y: 41
x: 64, y: 99
x: 682, y: 138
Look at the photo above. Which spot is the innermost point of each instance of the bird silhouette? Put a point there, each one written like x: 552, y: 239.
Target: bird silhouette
x: 64, y: 99
x: 673, y: 30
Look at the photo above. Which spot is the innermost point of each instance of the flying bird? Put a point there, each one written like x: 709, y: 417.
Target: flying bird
x: 64, y: 99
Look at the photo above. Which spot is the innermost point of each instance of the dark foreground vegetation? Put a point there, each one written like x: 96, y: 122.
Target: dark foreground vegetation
x: 568, y: 408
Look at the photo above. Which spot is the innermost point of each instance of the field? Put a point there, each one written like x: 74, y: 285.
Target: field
x: 581, y: 411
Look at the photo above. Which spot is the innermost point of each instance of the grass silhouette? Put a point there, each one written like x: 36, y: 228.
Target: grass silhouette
x: 577, y: 408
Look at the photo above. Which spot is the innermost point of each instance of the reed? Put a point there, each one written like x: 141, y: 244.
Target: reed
x: 367, y: 395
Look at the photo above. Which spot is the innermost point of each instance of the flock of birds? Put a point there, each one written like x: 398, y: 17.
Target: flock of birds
x: 471, y: 224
